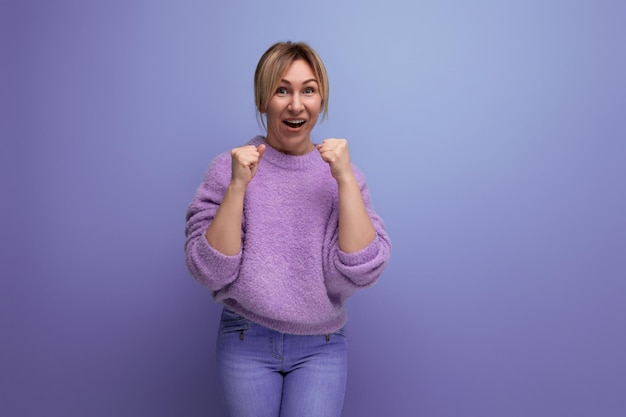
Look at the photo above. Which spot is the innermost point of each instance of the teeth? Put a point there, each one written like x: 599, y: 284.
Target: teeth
x: 294, y: 122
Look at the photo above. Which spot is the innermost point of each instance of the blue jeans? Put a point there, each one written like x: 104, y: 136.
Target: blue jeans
x: 264, y: 373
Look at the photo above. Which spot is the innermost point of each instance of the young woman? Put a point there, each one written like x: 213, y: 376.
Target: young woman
x: 282, y: 231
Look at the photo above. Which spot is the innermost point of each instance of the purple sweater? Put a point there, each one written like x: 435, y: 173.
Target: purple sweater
x: 290, y: 275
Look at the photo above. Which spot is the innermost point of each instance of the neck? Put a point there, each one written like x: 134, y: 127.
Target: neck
x: 299, y: 149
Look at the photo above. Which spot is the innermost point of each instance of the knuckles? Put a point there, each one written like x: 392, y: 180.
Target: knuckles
x: 245, y: 154
x: 333, y: 149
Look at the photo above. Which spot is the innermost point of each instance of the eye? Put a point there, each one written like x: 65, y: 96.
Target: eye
x: 281, y: 91
x: 309, y: 90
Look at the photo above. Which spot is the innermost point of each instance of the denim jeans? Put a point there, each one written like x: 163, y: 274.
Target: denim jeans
x: 264, y: 373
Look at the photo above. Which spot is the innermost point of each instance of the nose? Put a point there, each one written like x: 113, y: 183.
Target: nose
x: 296, y: 105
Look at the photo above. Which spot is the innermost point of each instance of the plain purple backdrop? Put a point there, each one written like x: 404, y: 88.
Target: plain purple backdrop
x: 493, y: 137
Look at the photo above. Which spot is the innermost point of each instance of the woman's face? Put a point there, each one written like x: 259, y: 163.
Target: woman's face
x: 293, y: 110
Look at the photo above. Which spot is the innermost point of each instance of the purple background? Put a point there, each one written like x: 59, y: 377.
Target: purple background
x: 493, y: 136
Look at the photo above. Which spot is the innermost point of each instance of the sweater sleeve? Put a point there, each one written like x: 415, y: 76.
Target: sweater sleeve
x: 207, y: 265
x: 347, y: 272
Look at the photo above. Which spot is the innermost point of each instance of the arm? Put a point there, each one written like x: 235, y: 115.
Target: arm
x: 356, y: 230
x: 355, y: 226
x: 345, y: 272
x: 224, y: 232
x: 213, y: 233
x: 358, y: 248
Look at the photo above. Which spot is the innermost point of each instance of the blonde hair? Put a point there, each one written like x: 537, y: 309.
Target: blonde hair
x: 275, y: 62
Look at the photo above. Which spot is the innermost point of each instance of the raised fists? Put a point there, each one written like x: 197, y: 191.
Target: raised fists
x: 335, y: 153
x: 245, y: 161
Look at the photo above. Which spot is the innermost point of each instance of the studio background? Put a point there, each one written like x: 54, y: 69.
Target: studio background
x: 492, y: 135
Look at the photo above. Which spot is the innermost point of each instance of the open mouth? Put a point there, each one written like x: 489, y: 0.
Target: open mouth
x: 294, y: 123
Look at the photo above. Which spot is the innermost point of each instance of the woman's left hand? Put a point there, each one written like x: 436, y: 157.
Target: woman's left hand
x: 335, y: 153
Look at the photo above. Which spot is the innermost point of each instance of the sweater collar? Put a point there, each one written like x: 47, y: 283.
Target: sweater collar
x: 286, y: 161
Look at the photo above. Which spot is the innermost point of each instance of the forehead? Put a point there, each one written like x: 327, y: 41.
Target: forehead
x: 298, y: 71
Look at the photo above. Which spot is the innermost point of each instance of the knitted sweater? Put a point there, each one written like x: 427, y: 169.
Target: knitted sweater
x: 290, y: 274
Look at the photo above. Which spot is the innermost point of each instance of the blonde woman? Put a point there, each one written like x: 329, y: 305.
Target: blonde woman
x: 282, y: 232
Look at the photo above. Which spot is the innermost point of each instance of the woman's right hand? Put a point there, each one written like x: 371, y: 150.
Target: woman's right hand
x: 245, y: 162
x: 224, y: 232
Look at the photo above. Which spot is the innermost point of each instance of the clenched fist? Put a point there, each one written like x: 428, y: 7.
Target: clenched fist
x: 245, y: 161
x: 335, y: 153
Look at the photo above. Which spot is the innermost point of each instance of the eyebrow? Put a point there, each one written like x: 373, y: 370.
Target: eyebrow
x: 306, y: 82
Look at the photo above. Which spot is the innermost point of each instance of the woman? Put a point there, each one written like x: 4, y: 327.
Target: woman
x: 282, y: 231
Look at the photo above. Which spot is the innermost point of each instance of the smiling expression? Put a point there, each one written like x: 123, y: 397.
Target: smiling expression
x: 293, y: 110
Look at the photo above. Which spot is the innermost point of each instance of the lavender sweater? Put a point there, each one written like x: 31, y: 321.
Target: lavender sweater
x: 290, y: 275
